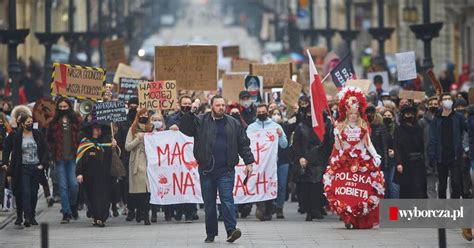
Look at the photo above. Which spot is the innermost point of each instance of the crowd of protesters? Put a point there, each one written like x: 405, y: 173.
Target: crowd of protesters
x: 422, y: 143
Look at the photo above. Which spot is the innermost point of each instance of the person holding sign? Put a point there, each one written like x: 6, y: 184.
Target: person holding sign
x: 353, y: 181
x: 138, y: 179
x: 219, y: 140
x: 93, y: 159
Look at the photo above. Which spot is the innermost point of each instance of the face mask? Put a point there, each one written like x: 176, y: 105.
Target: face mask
x: 370, y: 118
x: 447, y: 104
x: 246, y: 104
x: 433, y: 109
x: 185, y: 109
x: 387, y: 121
x: 262, y: 117
x: 143, y: 120
x: 29, y: 127
x: 461, y: 111
x: 157, y: 124
x: 235, y: 115
x: 277, y: 118
x: 410, y: 119
x: 63, y: 112
x: 132, y: 113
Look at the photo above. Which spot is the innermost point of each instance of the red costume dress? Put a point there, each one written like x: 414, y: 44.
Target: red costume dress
x: 353, y: 182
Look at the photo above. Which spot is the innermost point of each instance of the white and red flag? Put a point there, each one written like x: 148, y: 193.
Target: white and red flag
x: 317, y: 98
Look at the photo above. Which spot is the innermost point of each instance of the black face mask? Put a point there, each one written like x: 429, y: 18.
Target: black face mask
x: 143, y: 120
x: 461, y: 111
x: 370, y: 118
x: 433, y: 109
x: 262, y: 117
x: 236, y: 116
x: 132, y: 113
x: 63, y: 112
x: 185, y: 109
x: 29, y: 127
x: 387, y: 121
x: 410, y: 119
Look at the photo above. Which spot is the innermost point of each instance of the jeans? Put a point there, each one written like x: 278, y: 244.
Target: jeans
x: 68, y: 187
x: 209, y: 186
x: 282, y: 179
x: 392, y: 190
x: 29, y: 188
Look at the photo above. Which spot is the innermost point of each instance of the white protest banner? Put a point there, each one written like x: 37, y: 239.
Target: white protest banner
x: 406, y: 66
x: 174, y: 177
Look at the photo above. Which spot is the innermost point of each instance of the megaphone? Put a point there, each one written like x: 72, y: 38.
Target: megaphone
x: 85, y: 107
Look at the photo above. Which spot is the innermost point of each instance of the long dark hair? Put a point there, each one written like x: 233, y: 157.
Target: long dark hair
x: 71, y: 115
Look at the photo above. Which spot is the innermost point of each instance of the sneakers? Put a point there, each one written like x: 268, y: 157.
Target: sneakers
x: 66, y: 219
x: 467, y: 234
x: 234, y: 235
x: 209, y: 239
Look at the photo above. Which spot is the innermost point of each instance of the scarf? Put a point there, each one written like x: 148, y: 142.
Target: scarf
x: 86, y: 144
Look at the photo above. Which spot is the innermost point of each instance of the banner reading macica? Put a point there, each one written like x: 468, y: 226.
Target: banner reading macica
x: 174, y: 177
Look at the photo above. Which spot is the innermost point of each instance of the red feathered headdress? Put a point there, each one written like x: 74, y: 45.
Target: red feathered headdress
x: 351, y: 98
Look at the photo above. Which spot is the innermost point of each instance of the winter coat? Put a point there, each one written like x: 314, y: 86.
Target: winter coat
x: 435, y: 150
x: 307, y: 145
x: 138, y: 179
x: 203, y: 129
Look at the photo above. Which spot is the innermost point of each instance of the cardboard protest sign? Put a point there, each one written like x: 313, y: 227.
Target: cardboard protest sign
x: 406, y: 66
x: 114, y: 53
x: 112, y: 111
x: 129, y: 88
x: 193, y: 67
x: 330, y: 89
x: 291, y: 92
x: 411, y: 95
x: 158, y: 95
x: 77, y: 81
x: 232, y: 84
x: 274, y: 75
x: 240, y: 65
x: 379, y: 78
x: 362, y: 84
x: 231, y: 51
x: 173, y: 171
x: 126, y: 71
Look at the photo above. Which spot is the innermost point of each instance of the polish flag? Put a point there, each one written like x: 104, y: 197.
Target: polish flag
x: 317, y: 98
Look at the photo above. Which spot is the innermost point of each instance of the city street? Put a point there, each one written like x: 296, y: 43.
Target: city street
x: 293, y: 231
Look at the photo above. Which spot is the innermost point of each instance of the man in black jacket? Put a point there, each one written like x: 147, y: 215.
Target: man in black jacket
x: 219, y: 139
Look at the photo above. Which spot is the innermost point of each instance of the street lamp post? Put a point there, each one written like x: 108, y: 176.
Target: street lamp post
x: 13, y: 37
x: 381, y: 34
x: 47, y: 39
x: 348, y: 35
x: 328, y: 32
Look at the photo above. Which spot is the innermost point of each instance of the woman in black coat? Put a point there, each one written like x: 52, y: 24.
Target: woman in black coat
x: 312, y: 156
x: 94, y: 158
x: 409, y: 153
x: 28, y: 160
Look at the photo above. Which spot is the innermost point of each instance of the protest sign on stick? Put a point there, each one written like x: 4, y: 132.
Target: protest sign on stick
x: 406, y: 66
x: 114, y: 53
x: 158, y: 95
x: 411, y: 95
x: 232, y: 84
x: 291, y: 92
x: 82, y: 82
x: 193, y: 67
x: 129, y: 88
x: 274, y: 75
x: 174, y: 177
x: 240, y: 65
x: 111, y: 111
x: 124, y: 70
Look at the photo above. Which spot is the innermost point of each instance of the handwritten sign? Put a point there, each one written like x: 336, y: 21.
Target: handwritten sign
x: 129, y: 88
x: 412, y: 95
x: 77, y: 81
x: 363, y: 84
x: 159, y: 95
x: 232, y: 84
x: 193, y: 67
x: 231, y: 51
x: 291, y: 92
x: 274, y: 75
x: 112, y: 111
x: 124, y: 70
x: 173, y: 171
x: 406, y: 66
x: 240, y: 65
x: 114, y: 53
